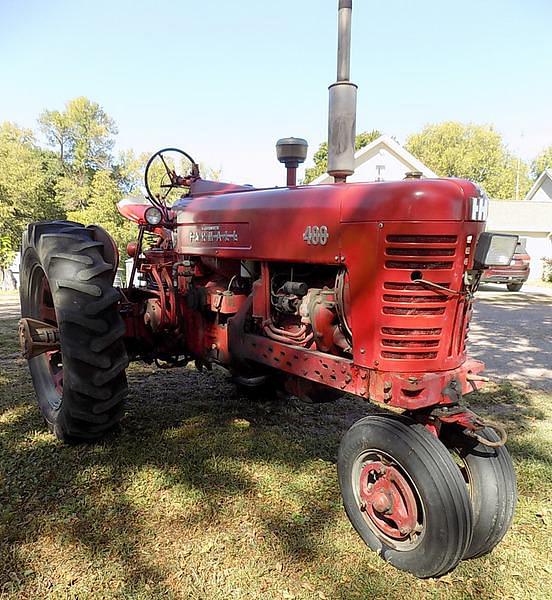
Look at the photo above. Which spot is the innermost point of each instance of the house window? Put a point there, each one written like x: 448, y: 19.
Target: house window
x: 380, y: 169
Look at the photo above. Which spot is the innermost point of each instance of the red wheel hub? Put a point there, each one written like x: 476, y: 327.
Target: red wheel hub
x: 388, y: 500
x: 47, y: 313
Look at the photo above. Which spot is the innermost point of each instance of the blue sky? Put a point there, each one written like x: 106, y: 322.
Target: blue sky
x: 225, y: 79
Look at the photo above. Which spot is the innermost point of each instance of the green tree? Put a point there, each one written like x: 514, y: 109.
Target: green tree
x: 321, y: 155
x: 81, y: 176
x: 542, y: 162
x: 101, y: 209
x: 83, y: 135
x: 28, y: 177
x: 128, y: 171
x: 475, y: 152
x: 92, y: 181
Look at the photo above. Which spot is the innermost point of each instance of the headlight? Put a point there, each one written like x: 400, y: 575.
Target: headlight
x: 153, y: 215
x: 495, y: 249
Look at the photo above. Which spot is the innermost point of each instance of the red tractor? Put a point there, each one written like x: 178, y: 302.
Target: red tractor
x: 363, y: 288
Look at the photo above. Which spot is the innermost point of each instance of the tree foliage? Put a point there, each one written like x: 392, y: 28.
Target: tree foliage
x: 542, y: 162
x: 28, y: 176
x: 83, y: 136
x: 91, y: 180
x: 101, y: 209
x: 321, y: 155
x: 79, y: 178
x: 475, y: 152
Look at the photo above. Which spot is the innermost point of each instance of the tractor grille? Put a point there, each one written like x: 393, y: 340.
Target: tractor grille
x: 468, y: 306
x: 414, y: 315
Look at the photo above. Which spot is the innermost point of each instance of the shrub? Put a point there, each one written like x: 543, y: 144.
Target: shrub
x: 547, y: 269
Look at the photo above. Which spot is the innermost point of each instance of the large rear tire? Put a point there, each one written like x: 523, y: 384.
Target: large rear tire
x: 491, y: 481
x: 67, y: 272
x: 404, y: 495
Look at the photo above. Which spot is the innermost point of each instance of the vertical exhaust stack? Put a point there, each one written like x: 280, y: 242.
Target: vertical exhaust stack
x: 342, y: 106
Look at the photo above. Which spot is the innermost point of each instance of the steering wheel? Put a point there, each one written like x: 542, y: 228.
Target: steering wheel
x: 161, y: 177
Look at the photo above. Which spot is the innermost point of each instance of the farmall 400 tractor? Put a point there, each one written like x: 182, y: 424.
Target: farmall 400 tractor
x: 358, y: 288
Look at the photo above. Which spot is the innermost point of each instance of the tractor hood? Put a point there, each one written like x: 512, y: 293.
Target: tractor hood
x: 238, y: 221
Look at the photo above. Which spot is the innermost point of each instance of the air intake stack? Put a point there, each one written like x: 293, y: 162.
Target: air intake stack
x: 342, y: 106
x: 291, y: 151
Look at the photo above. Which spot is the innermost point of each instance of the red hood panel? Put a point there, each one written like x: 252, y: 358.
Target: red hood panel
x: 431, y: 199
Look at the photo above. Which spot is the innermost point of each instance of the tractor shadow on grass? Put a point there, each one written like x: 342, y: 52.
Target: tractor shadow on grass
x: 183, y: 459
x: 192, y: 464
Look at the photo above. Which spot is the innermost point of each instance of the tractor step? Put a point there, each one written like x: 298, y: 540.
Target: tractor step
x: 37, y: 337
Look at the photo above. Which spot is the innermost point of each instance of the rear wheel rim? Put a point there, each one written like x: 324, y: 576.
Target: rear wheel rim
x: 49, y: 366
x: 388, y: 500
x: 458, y: 457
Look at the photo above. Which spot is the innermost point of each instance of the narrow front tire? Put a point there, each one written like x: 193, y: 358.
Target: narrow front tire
x: 404, y: 495
x: 491, y: 483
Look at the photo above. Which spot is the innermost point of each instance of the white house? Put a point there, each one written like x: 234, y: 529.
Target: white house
x: 542, y: 188
x: 530, y: 220
x: 382, y: 160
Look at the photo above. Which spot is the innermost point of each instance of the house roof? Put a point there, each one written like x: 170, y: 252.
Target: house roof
x: 546, y: 174
x: 387, y: 142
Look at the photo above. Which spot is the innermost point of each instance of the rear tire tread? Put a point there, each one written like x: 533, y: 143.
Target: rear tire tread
x: 110, y: 297
x: 91, y: 328
x: 95, y: 325
x: 95, y: 271
x: 85, y: 260
x: 84, y: 288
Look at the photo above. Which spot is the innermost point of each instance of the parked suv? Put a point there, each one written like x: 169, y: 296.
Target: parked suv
x: 515, y: 274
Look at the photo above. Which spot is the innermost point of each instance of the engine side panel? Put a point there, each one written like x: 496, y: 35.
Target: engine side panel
x: 260, y: 225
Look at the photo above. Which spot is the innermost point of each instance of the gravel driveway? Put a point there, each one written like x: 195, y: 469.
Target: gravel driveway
x: 510, y: 332
x: 9, y: 306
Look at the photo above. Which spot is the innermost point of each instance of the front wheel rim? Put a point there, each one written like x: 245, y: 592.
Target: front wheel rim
x: 388, y: 500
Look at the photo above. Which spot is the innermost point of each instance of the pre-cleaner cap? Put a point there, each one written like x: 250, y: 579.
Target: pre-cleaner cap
x: 291, y: 150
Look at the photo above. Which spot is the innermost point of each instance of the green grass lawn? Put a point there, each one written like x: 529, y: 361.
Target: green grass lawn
x: 202, y: 495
